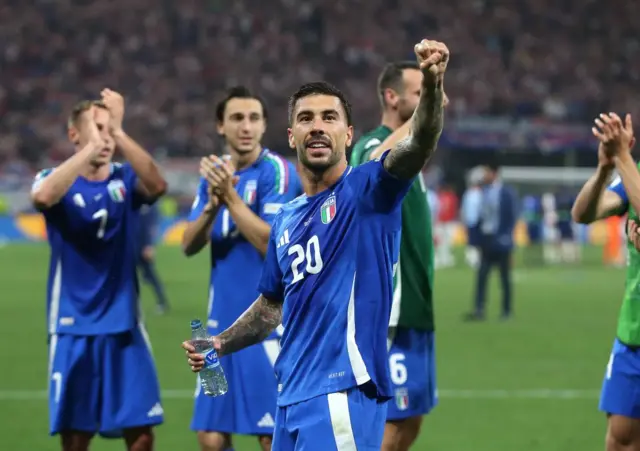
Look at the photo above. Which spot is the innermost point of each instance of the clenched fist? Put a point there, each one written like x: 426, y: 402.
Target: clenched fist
x: 433, y: 57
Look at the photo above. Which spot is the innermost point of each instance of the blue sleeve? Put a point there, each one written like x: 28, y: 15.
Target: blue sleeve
x: 381, y: 191
x: 149, y: 226
x: 617, y: 187
x: 277, y: 187
x: 130, y: 179
x: 271, y: 285
x: 202, y: 197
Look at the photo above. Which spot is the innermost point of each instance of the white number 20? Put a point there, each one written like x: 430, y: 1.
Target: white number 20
x: 102, y: 215
x: 312, y: 256
x: 398, y: 369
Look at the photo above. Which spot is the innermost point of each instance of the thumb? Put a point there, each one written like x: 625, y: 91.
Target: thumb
x: 217, y: 344
x: 628, y: 124
x: 236, y: 179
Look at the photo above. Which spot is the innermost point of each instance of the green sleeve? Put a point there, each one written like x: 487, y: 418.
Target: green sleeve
x: 362, y: 150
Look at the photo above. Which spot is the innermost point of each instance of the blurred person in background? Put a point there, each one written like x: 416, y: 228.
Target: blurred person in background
x: 532, y: 217
x: 102, y: 377
x: 448, y: 205
x: 236, y: 202
x: 411, y: 325
x: 620, y: 396
x: 148, y: 230
x: 551, y: 233
x: 470, y: 214
x: 569, y: 246
x: 498, y: 218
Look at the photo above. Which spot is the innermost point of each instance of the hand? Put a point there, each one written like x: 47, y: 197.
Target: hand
x: 194, y: 358
x: 615, y: 137
x: 633, y: 234
x: 88, y: 126
x: 433, y: 57
x: 148, y: 253
x: 115, y: 104
x: 219, y: 175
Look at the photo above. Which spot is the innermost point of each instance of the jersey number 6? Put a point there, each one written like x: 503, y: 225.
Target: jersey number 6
x: 312, y: 257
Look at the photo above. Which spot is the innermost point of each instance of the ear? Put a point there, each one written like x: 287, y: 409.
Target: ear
x: 390, y: 97
x: 349, y: 135
x: 220, y: 128
x: 74, y: 135
x: 292, y: 144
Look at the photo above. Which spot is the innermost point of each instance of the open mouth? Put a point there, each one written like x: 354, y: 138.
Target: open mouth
x: 318, y: 147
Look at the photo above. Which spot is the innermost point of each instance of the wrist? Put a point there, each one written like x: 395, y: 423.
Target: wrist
x: 231, y: 198
x: 623, y: 158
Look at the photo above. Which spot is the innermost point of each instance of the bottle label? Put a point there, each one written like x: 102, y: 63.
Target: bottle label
x: 211, y: 359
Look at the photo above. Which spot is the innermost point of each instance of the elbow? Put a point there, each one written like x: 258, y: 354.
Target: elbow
x: 579, y: 217
x: 42, y: 200
x: 158, y: 188
x: 188, y: 248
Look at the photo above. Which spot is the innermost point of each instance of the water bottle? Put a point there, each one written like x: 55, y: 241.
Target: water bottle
x: 211, y: 376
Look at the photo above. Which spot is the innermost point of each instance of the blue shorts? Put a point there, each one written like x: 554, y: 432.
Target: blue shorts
x: 412, y: 365
x: 349, y: 420
x: 102, y: 383
x: 249, y: 406
x: 621, y: 387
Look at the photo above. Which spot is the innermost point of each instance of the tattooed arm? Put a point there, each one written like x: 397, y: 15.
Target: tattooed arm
x: 252, y: 327
x: 407, y: 157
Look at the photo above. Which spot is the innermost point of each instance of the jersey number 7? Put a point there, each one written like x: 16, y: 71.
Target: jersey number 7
x: 311, y: 256
x: 102, y: 215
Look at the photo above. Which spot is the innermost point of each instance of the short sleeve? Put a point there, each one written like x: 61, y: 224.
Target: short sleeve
x: 39, y: 178
x: 382, y: 191
x: 199, y: 202
x: 617, y: 187
x: 278, y: 185
x: 53, y: 212
x: 271, y: 285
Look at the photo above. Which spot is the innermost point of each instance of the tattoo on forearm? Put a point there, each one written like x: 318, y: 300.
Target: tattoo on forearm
x: 409, y: 156
x: 253, y: 326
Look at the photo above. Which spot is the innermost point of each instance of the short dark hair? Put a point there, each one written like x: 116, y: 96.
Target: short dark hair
x: 391, y: 77
x: 319, y: 88
x: 81, y: 107
x: 238, y: 92
x: 493, y: 166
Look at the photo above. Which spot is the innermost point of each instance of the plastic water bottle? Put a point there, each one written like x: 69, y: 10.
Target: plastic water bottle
x: 211, y: 376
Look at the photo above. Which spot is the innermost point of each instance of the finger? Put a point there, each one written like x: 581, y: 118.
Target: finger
x: 601, y: 137
x: 431, y: 61
x: 217, y: 344
x: 188, y: 346
x: 628, y: 123
x: 236, y: 179
x: 633, y: 142
x: 194, y: 357
x: 605, y: 118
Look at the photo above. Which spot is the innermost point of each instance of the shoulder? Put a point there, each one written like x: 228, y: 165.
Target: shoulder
x: 277, y: 170
x: 40, y: 176
x: 367, y: 143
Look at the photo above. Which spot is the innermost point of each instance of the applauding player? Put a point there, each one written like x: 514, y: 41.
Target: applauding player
x: 101, y: 373
x: 620, y: 398
x: 236, y: 221
x: 328, y: 270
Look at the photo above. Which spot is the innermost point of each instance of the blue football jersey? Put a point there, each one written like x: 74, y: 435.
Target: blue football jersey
x: 330, y: 260
x: 93, y: 287
x: 617, y: 187
x: 236, y: 265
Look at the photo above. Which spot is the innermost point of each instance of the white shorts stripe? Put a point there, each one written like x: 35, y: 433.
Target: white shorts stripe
x: 341, y: 421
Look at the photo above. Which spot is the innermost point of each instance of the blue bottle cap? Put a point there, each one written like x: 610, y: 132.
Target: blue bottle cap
x: 196, y: 324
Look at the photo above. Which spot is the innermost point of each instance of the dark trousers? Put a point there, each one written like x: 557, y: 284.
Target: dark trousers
x: 489, y: 259
x: 150, y: 275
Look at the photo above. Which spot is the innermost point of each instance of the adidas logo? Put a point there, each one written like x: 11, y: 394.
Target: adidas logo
x: 284, y: 239
x: 266, y: 421
x: 156, y: 411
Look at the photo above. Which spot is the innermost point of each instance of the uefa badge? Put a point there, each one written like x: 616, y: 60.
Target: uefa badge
x: 328, y: 210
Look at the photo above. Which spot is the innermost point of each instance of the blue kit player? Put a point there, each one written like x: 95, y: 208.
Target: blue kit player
x: 236, y: 223
x: 329, y: 267
x: 147, y: 236
x: 620, y: 397
x: 102, y: 377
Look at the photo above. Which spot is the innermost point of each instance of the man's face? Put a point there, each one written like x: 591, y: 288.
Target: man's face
x: 410, y: 97
x: 319, y: 131
x: 80, y: 134
x: 243, y: 124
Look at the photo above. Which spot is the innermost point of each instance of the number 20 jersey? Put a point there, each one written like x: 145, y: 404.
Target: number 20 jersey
x: 93, y: 286
x: 330, y: 260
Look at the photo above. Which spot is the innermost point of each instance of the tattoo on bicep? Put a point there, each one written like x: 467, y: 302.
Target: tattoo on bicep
x: 253, y: 326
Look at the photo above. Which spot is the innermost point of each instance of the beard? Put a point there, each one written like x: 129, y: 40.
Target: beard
x: 318, y: 165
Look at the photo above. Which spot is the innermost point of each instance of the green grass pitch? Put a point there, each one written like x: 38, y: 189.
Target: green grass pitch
x: 529, y: 384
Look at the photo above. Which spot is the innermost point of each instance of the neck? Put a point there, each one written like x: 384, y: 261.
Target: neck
x: 243, y: 160
x: 316, y: 182
x: 391, y: 120
x: 97, y: 173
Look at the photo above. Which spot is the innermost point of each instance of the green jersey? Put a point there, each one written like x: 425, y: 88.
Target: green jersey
x: 413, y: 291
x: 629, y: 318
